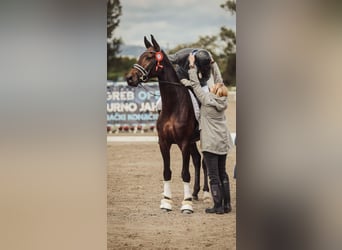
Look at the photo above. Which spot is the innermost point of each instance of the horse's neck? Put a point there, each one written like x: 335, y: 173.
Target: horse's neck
x: 173, y: 96
x: 168, y: 85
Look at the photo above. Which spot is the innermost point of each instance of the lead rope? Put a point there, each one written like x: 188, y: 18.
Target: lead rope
x: 174, y: 83
x: 147, y: 90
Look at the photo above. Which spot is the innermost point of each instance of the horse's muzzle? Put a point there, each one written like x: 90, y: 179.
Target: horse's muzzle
x: 131, y: 81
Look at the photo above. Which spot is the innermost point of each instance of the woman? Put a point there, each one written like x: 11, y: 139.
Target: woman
x: 215, y: 137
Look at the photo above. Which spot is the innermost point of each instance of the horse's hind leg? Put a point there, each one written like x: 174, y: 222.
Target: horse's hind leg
x: 196, y: 160
x: 166, y: 202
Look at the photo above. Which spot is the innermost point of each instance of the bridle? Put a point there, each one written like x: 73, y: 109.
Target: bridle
x: 145, y: 73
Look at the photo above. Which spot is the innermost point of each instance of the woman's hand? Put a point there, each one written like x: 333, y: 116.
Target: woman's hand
x: 191, y: 60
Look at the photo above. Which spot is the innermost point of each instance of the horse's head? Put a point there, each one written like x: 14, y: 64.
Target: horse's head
x: 148, y: 65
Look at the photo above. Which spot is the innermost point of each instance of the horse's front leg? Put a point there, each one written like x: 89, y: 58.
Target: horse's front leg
x: 166, y: 202
x: 187, y: 202
x: 196, y: 160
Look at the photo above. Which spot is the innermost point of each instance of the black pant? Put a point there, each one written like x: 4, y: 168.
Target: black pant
x: 216, y: 165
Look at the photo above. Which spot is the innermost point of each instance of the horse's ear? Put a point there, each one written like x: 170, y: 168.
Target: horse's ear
x: 155, y: 44
x: 147, y: 43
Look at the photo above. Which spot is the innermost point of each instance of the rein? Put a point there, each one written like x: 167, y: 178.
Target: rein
x: 173, y: 83
x: 147, y: 90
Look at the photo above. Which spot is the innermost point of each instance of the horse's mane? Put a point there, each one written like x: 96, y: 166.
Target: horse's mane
x: 167, y: 61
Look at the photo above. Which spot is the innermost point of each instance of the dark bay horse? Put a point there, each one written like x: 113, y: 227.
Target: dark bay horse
x: 176, y: 123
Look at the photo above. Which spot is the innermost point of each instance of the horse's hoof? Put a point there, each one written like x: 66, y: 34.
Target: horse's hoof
x: 187, y: 211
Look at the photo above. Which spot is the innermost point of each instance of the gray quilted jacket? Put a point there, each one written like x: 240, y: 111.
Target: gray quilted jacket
x: 215, y: 136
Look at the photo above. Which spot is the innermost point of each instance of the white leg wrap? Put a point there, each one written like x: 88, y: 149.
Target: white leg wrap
x: 187, y: 193
x: 206, y: 197
x: 187, y: 205
x: 166, y: 204
x: 167, y: 189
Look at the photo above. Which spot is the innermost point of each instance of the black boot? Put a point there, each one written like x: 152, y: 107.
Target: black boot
x: 217, y: 198
x: 226, y: 195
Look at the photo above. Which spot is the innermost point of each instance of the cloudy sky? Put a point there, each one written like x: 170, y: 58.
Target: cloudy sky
x: 172, y: 22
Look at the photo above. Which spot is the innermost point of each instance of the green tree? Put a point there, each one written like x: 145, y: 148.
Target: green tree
x: 221, y: 46
x: 221, y: 54
x: 230, y: 6
x: 114, y: 11
x: 121, y: 66
x: 228, y: 36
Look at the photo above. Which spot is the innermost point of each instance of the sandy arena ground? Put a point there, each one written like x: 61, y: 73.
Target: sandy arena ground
x: 135, y: 186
